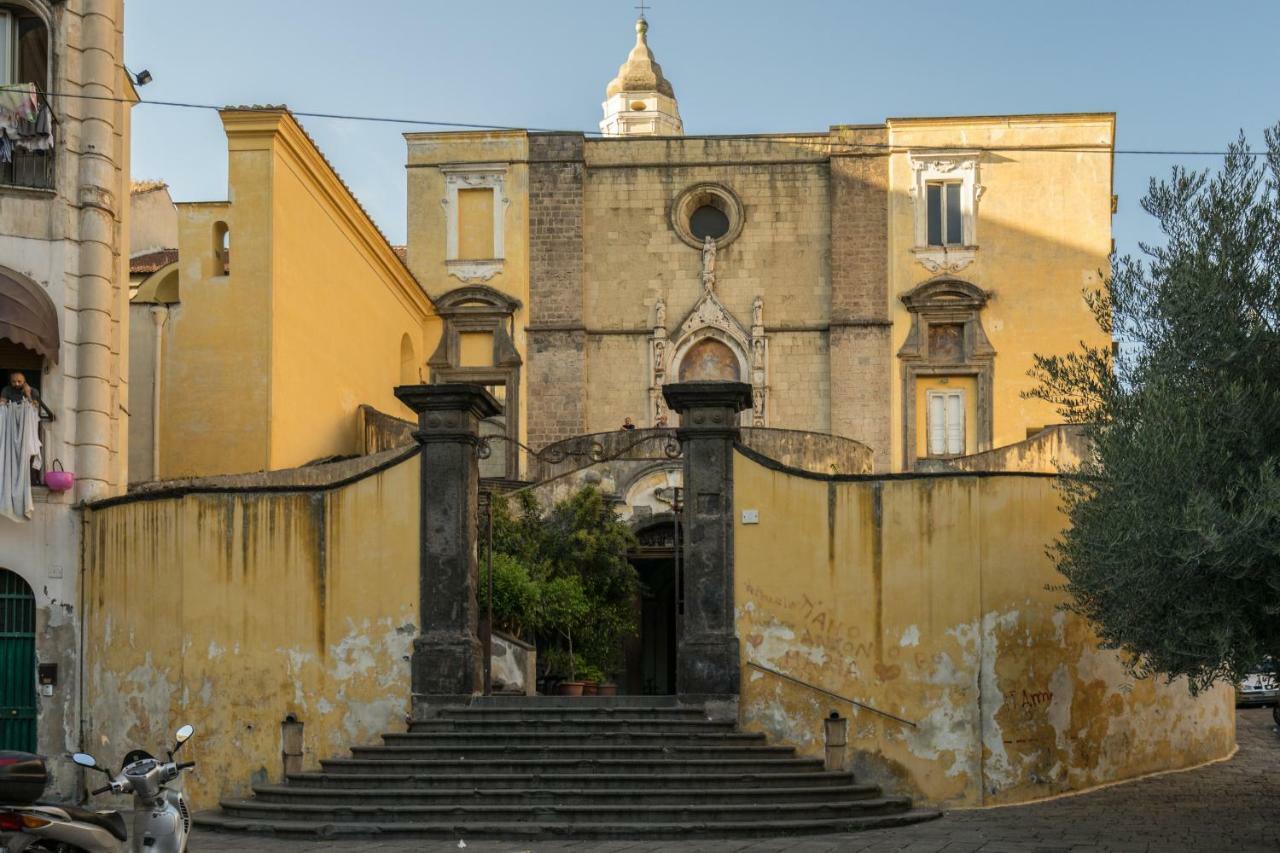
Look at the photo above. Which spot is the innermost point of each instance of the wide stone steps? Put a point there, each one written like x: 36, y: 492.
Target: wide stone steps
x: 516, y: 768
x: 665, y: 795
x: 582, y: 814
x: 569, y: 737
x: 575, y: 724
x: 578, y: 752
x: 550, y: 781
x: 597, y: 765
x: 542, y: 829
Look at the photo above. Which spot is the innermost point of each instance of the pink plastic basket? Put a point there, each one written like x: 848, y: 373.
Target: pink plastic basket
x: 57, y: 479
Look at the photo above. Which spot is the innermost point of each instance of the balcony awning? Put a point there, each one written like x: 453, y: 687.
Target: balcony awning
x: 27, y: 315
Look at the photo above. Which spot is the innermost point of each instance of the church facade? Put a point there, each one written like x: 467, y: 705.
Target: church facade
x: 888, y: 283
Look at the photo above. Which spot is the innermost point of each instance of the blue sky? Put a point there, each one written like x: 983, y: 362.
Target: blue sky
x: 1180, y: 75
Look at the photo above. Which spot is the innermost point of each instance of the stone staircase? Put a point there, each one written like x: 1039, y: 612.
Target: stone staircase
x: 516, y: 767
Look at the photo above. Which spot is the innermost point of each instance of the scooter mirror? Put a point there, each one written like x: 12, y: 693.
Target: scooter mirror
x: 184, y: 734
x: 84, y: 759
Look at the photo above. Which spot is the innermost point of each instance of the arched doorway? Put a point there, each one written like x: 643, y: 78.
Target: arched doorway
x: 17, y: 664
x: 651, y: 656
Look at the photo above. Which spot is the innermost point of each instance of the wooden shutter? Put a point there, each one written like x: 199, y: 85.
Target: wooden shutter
x: 955, y: 423
x: 936, y: 423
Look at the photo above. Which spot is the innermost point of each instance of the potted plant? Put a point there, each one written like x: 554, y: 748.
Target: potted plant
x: 568, y: 582
x: 591, y: 678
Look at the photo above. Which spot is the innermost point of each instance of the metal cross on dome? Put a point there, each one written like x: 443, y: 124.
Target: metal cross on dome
x: 643, y: 7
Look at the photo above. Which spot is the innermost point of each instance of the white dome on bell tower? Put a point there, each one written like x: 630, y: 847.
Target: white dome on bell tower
x: 640, y: 101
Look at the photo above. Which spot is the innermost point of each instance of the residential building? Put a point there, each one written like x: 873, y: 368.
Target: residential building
x: 64, y: 189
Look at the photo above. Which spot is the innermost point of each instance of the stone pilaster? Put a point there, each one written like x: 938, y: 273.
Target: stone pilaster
x: 448, y: 662
x: 707, y: 659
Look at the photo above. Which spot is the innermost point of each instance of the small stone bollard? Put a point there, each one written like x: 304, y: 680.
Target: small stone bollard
x: 837, y: 732
x: 291, y: 740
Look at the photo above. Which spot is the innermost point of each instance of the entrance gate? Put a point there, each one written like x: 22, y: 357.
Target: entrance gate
x: 17, y: 664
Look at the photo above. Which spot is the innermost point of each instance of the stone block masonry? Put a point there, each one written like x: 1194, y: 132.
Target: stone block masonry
x: 861, y: 362
x: 555, y: 356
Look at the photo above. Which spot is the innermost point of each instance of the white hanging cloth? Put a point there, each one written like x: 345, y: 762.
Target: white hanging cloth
x: 19, y: 452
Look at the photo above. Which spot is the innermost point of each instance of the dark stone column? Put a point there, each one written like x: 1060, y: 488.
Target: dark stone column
x: 707, y: 658
x: 447, y: 658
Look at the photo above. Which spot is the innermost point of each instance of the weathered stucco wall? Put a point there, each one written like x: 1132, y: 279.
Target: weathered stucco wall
x: 927, y: 597
x: 229, y: 610
x: 1053, y: 449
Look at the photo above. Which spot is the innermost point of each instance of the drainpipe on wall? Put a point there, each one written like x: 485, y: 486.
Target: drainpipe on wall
x: 159, y: 314
x: 97, y: 231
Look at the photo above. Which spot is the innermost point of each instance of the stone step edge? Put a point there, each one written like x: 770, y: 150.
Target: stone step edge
x: 586, y: 810
x: 591, y: 748
x: 591, y: 777
x: 718, y: 734
x: 559, y: 762
x: 533, y: 830
x: 765, y: 792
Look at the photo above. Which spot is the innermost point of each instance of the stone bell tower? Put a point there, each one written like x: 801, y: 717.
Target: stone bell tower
x: 640, y: 101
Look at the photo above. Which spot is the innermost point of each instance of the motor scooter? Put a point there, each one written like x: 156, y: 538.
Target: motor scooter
x: 161, y: 820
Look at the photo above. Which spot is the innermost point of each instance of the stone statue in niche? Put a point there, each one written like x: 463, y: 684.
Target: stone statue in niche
x: 660, y: 314
x: 708, y: 263
x: 757, y: 407
x: 757, y: 353
x: 757, y: 313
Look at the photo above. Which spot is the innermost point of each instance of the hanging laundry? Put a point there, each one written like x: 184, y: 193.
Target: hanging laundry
x: 25, y: 120
x: 20, y: 101
x: 19, y: 452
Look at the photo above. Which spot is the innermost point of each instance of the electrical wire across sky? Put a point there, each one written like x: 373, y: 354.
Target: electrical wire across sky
x: 1067, y: 149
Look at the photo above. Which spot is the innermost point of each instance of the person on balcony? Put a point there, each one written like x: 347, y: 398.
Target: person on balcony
x: 19, y: 446
x: 18, y: 389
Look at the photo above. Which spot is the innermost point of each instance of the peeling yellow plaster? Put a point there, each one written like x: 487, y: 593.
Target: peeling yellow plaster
x: 229, y: 611
x: 929, y: 599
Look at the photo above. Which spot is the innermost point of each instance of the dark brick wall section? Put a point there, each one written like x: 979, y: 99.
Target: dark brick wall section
x: 555, y: 359
x: 859, y: 228
x: 862, y: 364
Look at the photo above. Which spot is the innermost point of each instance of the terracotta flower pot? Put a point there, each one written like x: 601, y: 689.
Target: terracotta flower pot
x: 569, y: 688
x: 589, y: 688
x: 607, y: 689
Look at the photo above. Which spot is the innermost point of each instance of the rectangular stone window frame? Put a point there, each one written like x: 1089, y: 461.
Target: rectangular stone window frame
x: 474, y: 176
x: 950, y: 167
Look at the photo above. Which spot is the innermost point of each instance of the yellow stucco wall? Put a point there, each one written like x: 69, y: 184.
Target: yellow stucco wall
x: 229, y: 611
x: 428, y: 223
x: 1043, y: 237
x: 926, y: 598
x: 265, y: 367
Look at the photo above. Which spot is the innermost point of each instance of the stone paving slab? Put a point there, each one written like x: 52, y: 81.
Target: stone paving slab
x: 1230, y: 807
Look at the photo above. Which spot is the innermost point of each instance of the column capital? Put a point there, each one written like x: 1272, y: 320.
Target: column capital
x: 449, y: 397
x: 448, y: 411
x: 708, y: 406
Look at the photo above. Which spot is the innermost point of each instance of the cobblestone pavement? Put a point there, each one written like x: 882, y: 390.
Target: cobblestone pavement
x: 1230, y: 807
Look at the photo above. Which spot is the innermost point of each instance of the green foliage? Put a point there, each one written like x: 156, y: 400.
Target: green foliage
x: 1173, y: 548
x: 578, y: 599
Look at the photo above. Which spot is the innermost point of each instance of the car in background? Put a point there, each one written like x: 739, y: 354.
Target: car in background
x: 1259, y: 688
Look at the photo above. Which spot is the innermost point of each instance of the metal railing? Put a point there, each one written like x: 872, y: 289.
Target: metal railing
x: 826, y: 692
x: 29, y: 170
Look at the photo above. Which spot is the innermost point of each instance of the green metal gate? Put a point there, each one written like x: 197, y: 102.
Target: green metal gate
x: 17, y: 664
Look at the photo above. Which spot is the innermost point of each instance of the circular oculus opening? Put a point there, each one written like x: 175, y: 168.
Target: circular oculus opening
x: 638, y: 105
x: 708, y: 221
